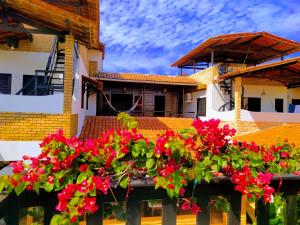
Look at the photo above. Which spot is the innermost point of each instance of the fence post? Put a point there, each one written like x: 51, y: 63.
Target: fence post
x: 262, y: 213
x: 235, y: 212
x: 291, y: 210
x: 97, y: 217
x: 169, y: 211
x: 133, y: 212
x: 203, y: 218
x: 12, y: 211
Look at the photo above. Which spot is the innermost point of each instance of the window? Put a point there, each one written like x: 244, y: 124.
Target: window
x: 5, y: 83
x: 201, y: 107
x: 254, y: 104
x: 28, y: 81
x: 279, y: 105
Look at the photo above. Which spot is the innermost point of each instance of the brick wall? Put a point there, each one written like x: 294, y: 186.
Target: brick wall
x: 35, y: 126
x: 68, y: 76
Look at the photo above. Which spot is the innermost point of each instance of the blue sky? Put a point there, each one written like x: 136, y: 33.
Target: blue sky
x: 146, y: 36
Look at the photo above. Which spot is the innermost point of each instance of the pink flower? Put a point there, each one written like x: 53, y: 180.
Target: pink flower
x: 186, y: 206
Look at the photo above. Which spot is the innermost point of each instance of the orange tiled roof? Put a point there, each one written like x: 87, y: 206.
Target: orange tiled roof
x: 263, y: 45
x: 150, y: 127
x: 147, y: 78
x: 285, y: 71
x: 272, y: 135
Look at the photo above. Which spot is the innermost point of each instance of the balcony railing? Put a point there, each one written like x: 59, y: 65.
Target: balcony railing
x: 144, y: 190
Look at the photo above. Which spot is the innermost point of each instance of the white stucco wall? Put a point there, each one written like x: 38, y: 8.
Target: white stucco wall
x: 19, y: 63
x: 32, y: 104
x: 190, y: 108
x: 82, y: 70
x: 268, y: 100
x: 14, y: 150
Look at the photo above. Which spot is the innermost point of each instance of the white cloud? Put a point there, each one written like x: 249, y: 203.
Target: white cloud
x: 149, y: 35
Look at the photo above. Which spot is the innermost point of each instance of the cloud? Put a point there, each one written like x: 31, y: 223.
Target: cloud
x: 149, y: 35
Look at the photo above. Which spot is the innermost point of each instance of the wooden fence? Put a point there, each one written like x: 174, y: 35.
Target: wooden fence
x: 143, y: 190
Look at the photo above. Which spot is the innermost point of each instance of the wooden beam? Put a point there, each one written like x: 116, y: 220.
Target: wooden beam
x: 248, y: 51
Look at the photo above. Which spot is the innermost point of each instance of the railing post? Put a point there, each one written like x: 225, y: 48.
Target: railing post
x: 169, y: 211
x: 12, y: 217
x: 203, y: 218
x: 291, y: 210
x: 50, y: 202
x: 235, y: 212
x: 262, y: 213
x: 97, y: 217
x: 133, y: 212
x: 35, y: 84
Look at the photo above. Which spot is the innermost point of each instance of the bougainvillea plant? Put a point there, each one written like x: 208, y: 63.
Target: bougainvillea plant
x: 81, y: 170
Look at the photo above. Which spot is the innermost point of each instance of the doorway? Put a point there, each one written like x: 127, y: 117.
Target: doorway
x: 159, y: 105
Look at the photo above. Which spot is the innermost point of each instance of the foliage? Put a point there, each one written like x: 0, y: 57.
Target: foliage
x: 81, y: 170
x: 277, y: 210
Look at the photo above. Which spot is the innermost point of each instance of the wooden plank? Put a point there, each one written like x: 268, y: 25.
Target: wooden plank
x: 97, y: 217
x: 203, y: 218
x: 291, y: 210
x: 169, y: 211
x: 133, y: 212
x: 262, y: 217
x: 235, y: 212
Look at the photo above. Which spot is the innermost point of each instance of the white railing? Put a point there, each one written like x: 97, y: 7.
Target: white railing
x: 52, y: 104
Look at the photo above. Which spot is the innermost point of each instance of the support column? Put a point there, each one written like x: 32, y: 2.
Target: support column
x: 237, y: 102
x: 68, y: 76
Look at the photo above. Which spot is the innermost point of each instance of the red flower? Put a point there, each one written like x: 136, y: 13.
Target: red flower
x: 181, y: 192
x: 285, y: 155
x: 73, y: 219
x: 83, y: 168
x: 195, y: 209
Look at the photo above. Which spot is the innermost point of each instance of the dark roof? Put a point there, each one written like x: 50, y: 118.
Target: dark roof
x: 285, y: 71
x: 248, y: 47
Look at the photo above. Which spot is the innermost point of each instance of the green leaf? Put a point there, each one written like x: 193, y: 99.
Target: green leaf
x: 81, y: 178
x: 124, y: 183
x: 56, y: 220
x: 20, y: 188
x: 136, y: 150
x: 149, y: 163
x: 149, y: 154
x: 48, y: 187
x: 36, y: 187
x: 207, y: 177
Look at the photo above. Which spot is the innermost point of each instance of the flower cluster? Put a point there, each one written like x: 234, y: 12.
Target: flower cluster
x: 81, y: 170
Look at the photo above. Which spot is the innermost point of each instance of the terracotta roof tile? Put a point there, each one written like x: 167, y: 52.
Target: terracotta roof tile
x: 147, y: 78
x: 274, y: 134
x: 150, y: 127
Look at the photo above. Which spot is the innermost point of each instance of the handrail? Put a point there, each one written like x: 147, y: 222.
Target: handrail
x: 222, y: 108
x: 25, y: 86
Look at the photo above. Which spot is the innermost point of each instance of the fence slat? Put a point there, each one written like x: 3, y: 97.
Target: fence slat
x: 262, y: 213
x: 235, y: 212
x: 203, y: 218
x: 133, y: 212
x: 12, y: 212
x: 97, y: 217
x: 169, y: 210
x: 291, y: 210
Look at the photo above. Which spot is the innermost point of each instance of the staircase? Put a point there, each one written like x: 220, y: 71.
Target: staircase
x: 226, y: 87
x: 50, y: 80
